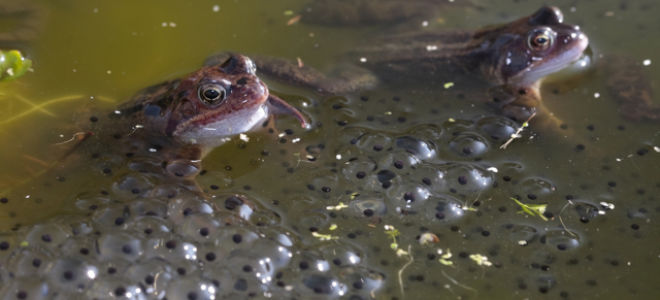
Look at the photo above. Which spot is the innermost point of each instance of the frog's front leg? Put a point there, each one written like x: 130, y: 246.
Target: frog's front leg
x: 342, y: 79
x: 524, y: 103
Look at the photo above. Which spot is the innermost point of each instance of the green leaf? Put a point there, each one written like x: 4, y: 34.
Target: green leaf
x: 534, y: 210
x: 13, y: 65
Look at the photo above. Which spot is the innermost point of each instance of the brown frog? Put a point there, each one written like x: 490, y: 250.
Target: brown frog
x: 511, y: 59
x: 202, y: 109
x: 153, y: 144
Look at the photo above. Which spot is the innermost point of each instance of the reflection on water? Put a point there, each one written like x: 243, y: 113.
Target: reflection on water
x: 305, y: 212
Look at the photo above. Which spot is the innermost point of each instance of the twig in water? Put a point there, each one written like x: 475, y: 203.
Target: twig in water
x: 454, y: 281
x: 562, y: 221
x: 402, y: 269
x: 78, y: 136
x: 517, y: 133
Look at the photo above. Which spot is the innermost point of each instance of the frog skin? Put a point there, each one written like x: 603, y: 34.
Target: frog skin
x: 198, y: 112
x: 151, y: 145
x: 511, y: 59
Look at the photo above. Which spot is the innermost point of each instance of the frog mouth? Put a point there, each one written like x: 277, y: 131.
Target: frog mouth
x: 574, y: 51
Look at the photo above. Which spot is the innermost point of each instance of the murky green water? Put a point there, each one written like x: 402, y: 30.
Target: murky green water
x: 390, y: 155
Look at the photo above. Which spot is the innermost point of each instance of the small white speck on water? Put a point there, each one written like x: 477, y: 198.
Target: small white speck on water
x: 295, y: 140
x: 244, y: 137
x: 74, y: 70
x: 216, y: 8
x: 431, y: 48
x: 492, y: 169
x: 607, y: 205
x: 596, y: 95
x: 95, y: 10
x: 338, y: 156
x: 108, y: 72
x: 172, y: 24
x: 363, y: 59
x: 153, y: 150
x: 572, y: 9
x: 425, y: 23
x: 646, y: 62
x: 117, y: 112
x: 656, y: 149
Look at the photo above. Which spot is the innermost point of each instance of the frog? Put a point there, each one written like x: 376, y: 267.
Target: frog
x: 509, y: 61
x: 153, y: 144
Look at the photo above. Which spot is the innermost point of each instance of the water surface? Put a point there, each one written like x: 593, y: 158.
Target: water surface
x: 418, y: 158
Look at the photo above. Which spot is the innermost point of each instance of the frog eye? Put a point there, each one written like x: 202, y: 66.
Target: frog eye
x: 212, y: 94
x: 540, y: 39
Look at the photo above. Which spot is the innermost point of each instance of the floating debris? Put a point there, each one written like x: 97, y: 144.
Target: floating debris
x: 13, y: 65
x: 445, y: 257
x: 481, y: 260
x: 517, y: 135
x: 339, y: 206
x: 532, y: 209
x: 428, y: 237
x: 393, y: 233
x: 324, y: 237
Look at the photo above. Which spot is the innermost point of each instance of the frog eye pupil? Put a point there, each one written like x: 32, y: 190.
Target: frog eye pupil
x: 540, y: 40
x: 212, y: 94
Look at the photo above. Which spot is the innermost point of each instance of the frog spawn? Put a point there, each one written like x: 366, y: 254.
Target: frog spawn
x: 180, y: 248
x: 445, y: 179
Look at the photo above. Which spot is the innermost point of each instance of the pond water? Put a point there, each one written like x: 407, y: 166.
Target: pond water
x: 312, y: 213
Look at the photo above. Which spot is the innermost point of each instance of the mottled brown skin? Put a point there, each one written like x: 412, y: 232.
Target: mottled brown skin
x: 177, y: 122
x: 507, y: 58
x: 180, y: 110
